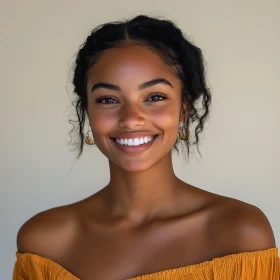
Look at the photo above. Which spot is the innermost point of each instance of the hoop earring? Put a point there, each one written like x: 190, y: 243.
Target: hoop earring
x: 88, y: 139
x: 183, y: 132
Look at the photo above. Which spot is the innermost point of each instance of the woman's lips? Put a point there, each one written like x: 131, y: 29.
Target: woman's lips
x: 134, y: 149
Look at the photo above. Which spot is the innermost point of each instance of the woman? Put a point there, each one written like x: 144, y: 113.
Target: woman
x: 140, y: 84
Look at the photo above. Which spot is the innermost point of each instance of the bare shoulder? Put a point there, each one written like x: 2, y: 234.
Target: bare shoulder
x: 241, y: 227
x: 48, y: 233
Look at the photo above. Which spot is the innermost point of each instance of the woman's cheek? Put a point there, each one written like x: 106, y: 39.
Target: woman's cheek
x: 166, y: 117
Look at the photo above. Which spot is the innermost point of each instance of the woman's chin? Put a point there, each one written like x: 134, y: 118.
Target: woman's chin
x: 134, y: 165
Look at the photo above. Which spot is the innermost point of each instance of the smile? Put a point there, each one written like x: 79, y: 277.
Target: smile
x: 134, y: 145
x: 135, y: 141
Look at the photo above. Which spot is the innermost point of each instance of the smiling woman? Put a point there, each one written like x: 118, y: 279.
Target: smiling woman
x: 141, y: 85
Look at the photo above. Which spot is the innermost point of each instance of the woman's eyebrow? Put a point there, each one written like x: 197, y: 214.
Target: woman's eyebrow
x: 140, y: 87
x: 154, y: 82
x: 105, y: 85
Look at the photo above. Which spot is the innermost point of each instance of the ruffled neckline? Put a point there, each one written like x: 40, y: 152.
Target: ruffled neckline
x: 61, y: 271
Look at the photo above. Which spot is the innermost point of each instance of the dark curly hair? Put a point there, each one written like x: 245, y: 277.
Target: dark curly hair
x: 168, y: 41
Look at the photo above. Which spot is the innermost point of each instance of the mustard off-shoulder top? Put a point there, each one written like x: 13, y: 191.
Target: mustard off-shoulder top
x: 259, y: 265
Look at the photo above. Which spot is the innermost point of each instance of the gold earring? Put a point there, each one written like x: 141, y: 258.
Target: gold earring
x: 88, y: 139
x: 183, y: 132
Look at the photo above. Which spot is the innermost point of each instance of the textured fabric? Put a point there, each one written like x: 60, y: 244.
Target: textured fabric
x: 259, y: 265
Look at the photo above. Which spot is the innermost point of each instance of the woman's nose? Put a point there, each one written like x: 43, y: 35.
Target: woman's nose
x: 131, y: 116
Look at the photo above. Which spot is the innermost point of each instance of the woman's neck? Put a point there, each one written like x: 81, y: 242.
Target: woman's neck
x: 139, y: 196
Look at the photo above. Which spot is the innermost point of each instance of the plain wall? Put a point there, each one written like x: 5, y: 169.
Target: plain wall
x: 240, y: 145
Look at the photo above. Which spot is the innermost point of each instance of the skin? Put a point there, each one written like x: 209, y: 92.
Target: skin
x: 146, y: 219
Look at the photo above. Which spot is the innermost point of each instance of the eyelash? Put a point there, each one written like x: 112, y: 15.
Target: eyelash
x: 102, y: 98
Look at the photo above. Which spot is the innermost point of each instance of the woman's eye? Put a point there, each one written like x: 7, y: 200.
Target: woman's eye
x: 111, y: 100
x: 106, y: 100
x: 156, y: 97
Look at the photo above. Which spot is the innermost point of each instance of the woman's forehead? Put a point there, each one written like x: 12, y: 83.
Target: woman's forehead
x: 130, y: 62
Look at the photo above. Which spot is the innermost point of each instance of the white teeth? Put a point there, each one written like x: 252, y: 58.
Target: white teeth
x: 135, y: 141
x: 130, y: 142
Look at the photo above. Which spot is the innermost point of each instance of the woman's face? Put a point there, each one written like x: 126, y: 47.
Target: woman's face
x: 133, y: 97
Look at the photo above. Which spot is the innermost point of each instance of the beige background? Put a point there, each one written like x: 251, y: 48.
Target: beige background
x: 240, y: 146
